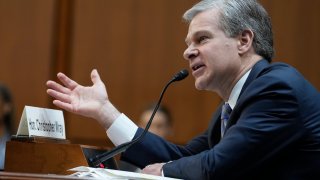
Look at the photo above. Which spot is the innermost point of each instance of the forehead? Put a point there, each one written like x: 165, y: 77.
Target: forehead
x: 205, y: 21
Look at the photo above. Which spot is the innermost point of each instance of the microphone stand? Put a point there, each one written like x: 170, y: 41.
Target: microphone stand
x: 99, y: 159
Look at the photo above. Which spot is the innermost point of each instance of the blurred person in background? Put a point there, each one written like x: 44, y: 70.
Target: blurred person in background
x: 6, y: 120
x: 161, y: 123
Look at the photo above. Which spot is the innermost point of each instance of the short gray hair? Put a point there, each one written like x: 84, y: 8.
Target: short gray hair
x: 237, y: 16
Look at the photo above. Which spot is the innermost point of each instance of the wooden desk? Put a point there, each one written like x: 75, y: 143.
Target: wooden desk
x: 32, y: 176
x: 44, y: 158
x: 49, y: 158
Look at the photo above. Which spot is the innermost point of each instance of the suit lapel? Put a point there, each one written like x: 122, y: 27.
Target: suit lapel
x: 214, y: 131
x: 255, y: 71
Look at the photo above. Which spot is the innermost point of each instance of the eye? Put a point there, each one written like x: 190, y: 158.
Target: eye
x: 202, y: 39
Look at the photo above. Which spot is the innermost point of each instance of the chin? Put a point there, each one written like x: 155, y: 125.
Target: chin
x: 199, y: 85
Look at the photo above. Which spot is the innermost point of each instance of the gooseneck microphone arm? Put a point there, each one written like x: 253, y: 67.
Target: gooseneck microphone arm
x: 99, y: 159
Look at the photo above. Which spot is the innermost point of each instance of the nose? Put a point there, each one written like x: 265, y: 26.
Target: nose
x: 190, y: 53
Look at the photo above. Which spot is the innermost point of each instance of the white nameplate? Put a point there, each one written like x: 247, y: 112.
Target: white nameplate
x: 42, y: 122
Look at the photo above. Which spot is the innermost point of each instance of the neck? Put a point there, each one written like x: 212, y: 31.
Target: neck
x: 225, y: 89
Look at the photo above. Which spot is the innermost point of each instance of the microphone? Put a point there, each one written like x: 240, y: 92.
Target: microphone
x: 98, y: 160
x: 180, y: 75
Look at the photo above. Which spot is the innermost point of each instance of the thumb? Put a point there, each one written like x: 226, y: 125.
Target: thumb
x: 95, y: 78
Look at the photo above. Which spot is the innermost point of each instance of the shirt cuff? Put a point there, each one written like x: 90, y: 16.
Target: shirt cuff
x: 122, y: 130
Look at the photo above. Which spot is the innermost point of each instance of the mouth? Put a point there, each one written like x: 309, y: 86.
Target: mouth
x: 196, y: 67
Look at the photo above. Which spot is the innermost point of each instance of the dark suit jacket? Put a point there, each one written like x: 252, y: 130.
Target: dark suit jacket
x: 273, y: 133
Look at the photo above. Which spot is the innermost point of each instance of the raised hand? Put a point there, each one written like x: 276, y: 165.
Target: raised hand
x: 90, y: 101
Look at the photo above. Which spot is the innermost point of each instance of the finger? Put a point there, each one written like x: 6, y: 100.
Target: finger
x: 58, y: 87
x: 63, y: 105
x: 66, y: 81
x: 59, y: 96
x: 95, y: 77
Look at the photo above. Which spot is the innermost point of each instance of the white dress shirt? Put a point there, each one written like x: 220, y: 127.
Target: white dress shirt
x: 237, y: 89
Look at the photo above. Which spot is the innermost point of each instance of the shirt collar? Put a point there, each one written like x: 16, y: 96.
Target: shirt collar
x: 237, y: 89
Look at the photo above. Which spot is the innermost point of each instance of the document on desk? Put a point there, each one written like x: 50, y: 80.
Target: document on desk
x: 99, y: 173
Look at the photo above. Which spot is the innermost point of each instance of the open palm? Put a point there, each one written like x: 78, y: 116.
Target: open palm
x: 82, y: 100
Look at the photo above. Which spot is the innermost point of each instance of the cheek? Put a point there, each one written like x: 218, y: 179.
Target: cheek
x: 231, y: 49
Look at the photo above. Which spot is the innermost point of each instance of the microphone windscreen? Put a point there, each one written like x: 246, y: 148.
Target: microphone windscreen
x: 181, y: 75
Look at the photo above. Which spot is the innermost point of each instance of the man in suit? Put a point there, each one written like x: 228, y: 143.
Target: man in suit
x: 268, y: 127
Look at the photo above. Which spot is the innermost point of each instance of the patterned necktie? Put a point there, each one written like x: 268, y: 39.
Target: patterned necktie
x: 225, y: 114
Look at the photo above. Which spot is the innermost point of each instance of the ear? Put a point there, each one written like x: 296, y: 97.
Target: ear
x: 245, y: 41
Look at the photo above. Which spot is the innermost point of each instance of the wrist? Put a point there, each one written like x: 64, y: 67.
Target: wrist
x: 107, y: 114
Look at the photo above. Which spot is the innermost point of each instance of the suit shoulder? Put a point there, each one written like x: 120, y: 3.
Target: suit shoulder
x: 281, y: 78
x: 281, y: 72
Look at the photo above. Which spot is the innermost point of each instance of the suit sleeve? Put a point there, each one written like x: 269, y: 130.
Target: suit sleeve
x: 154, y: 149
x: 268, y: 122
